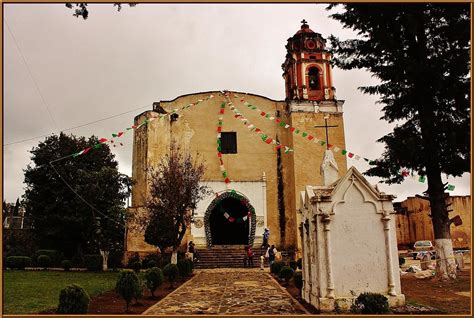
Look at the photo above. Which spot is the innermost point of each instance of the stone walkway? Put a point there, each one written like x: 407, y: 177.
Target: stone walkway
x: 228, y: 291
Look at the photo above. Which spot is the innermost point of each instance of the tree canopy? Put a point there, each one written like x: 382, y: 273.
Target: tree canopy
x: 421, y: 55
x: 175, y: 190
x: 61, y: 219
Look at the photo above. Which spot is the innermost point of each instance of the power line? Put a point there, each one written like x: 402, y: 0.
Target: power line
x: 31, y: 75
x: 84, y: 200
x: 80, y: 126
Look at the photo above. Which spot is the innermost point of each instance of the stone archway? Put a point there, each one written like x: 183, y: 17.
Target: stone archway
x: 230, y: 219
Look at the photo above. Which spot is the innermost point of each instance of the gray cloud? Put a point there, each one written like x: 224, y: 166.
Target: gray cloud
x: 117, y: 61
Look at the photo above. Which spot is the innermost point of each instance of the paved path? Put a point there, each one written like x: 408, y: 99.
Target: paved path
x: 228, y: 291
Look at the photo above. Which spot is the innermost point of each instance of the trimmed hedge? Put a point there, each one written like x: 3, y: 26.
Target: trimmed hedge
x: 18, y: 262
x: 128, y: 286
x: 55, y: 256
x: 93, y: 262
x: 66, y: 264
x: 183, y: 268
x: 73, y: 300
x: 298, y: 280
x: 286, y: 273
x: 153, y: 279
x: 276, y: 267
x: 43, y: 261
x: 299, y: 263
x: 293, y: 265
x: 171, y: 272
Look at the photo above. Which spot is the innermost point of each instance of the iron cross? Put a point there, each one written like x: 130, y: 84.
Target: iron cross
x: 326, y: 126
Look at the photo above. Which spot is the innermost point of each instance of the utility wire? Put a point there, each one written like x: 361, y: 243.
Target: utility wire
x: 80, y: 126
x: 31, y: 75
x: 84, y: 200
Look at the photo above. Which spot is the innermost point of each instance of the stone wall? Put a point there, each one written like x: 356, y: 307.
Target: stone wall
x: 415, y: 224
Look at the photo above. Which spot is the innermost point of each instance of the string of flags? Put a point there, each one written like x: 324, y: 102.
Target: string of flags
x: 258, y: 131
x: 335, y: 149
x: 243, y: 201
x: 220, y: 123
x: 119, y: 134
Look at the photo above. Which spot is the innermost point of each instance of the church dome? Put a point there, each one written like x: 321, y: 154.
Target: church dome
x: 304, y: 28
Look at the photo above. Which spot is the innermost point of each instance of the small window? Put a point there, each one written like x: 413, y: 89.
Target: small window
x: 229, y: 142
x: 313, y: 57
x: 313, y: 76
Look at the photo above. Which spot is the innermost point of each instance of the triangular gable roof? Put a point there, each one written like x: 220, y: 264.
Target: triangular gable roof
x: 336, y: 186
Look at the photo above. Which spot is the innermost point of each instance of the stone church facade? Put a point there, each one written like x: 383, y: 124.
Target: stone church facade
x: 264, y: 183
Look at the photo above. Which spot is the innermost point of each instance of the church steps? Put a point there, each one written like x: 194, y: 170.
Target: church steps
x: 226, y: 257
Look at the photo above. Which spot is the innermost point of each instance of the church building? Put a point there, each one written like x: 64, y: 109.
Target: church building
x: 259, y: 153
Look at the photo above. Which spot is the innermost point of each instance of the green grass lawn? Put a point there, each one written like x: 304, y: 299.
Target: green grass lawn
x: 32, y: 291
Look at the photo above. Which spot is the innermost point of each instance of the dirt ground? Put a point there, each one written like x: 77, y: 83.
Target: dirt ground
x: 111, y: 303
x: 450, y: 297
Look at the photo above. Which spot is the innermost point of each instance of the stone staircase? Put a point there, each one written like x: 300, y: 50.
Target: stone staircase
x: 227, y: 256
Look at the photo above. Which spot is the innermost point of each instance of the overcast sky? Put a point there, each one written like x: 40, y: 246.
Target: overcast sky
x: 113, y: 62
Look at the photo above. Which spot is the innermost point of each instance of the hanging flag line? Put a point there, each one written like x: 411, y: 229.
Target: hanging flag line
x: 145, y: 122
x: 220, y: 123
x: 344, y: 152
x: 258, y: 131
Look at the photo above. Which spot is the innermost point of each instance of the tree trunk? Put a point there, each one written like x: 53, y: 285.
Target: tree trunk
x: 427, y: 117
x: 174, y: 256
x: 105, y: 257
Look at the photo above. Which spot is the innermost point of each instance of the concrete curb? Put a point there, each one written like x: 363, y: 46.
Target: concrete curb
x: 174, y: 291
x: 300, y: 306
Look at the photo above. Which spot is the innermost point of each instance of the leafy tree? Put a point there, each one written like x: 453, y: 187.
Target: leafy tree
x: 62, y: 220
x: 420, y: 54
x: 81, y: 9
x: 174, y: 192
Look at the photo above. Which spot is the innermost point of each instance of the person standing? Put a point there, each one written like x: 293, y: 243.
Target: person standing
x: 250, y: 256
x: 193, y: 252
x: 266, y: 237
x: 271, y: 254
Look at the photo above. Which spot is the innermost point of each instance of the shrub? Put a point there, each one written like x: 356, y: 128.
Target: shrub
x: 401, y: 260
x: 153, y: 279
x: 54, y: 255
x: 151, y: 260
x: 115, y: 259
x: 299, y: 263
x: 93, y: 262
x: 293, y: 265
x: 149, y: 264
x: 276, y: 267
x: 171, y: 272
x: 137, y: 266
x: 183, y: 268
x: 18, y: 262
x: 66, y: 264
x: 43, y: 261
x: 128, y: 286
x: 298, y: 280
x: 190, y: 265
x: 135, y: 258
x: 73, y: 300
x: 286, y: 273
x: 77, y: 261
x: 370, y: 303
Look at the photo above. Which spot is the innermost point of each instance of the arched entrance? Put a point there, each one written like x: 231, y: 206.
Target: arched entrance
x: 230, y: 220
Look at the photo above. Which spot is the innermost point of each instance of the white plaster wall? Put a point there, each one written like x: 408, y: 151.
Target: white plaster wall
x: 254, y: 191
x: 358, y: 246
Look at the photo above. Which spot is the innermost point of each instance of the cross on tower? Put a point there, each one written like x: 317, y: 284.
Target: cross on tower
x: 304, y: 22
x: 326, y: 127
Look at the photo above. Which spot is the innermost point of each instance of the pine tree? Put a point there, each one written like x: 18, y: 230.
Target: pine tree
x: 420, y: 54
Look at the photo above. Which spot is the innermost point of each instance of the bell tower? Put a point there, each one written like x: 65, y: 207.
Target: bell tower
x: 306, y: 70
